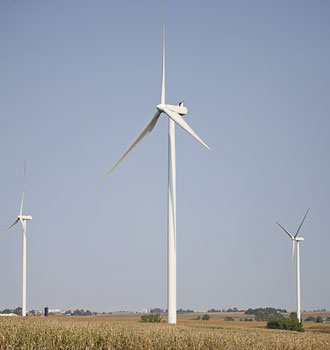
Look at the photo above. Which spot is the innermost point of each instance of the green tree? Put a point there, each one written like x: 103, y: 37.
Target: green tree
x: 261, y: 316
x: 310, y: 319
x: 291, y: 324
x: 319, y: 319
x: 293, y: 314
x: 6, y: 311
x: 269, y: 310
x: 153, y: 318
x: 229, y: 318
x: 156, y: 310
x: 268, y: 314
x: 206, y: 317
x: 18, y: 311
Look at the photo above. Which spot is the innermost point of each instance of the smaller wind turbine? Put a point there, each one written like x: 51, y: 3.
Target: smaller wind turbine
x: 296, y: 240
x: 22, y: 218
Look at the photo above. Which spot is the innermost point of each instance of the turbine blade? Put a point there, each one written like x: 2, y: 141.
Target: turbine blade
x: 293, y: 249
x: 142, y: 135
x: 162, y: 94
x: 21, y: 208
x: 13, y: 224
x: 23, y: 222
x: 184, y: 125
x: 301, y: 223
x: 287, y: 232
x: 292, y: 256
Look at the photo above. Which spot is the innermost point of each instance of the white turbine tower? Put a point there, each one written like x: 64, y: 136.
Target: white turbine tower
x: 296, y: 240
x: 174, y: 114
x: 22, y: 218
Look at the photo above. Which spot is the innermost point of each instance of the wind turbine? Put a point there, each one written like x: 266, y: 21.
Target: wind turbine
x: 295, y: 241
x: 22, y: 218
x: 174, y: 114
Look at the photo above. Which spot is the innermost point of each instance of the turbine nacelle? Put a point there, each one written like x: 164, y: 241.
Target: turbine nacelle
x: 25, y: 217
x: 180, y: 109
x: 299, y: 239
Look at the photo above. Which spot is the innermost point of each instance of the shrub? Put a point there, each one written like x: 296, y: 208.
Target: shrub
x: 154, y: 318
x: 273, y: 324
x: 206, y: 317
x: 290, y: 324
x: 310, y: 319
x: 229, y: 318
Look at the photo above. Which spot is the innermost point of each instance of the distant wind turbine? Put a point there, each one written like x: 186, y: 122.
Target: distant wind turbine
x: 295, y: 241
x: 22, y: 218
x: 174, y: 114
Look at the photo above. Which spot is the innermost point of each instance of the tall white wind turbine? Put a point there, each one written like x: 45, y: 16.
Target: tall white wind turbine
x: 22, y: 218
x: 174, y: 114
x: 295, y: 241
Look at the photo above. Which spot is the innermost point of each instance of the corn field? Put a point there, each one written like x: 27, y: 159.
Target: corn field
x: 51, y: 334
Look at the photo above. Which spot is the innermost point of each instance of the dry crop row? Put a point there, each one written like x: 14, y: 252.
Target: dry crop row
x: 57, y: 334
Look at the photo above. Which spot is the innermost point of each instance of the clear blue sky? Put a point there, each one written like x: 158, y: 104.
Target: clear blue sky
x: 80, y: 79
